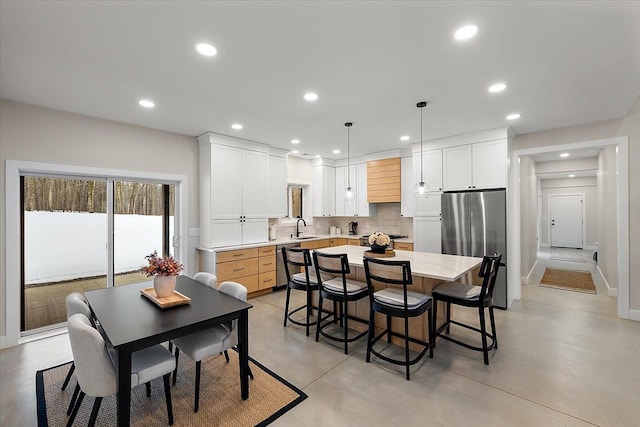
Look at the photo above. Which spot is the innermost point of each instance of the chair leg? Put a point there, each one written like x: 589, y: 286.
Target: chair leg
x: 448, y: 318
x: 226, y: 356
x: 388, y: 328
x: 75, y: 409
x: 196, y: 402
x: 483, y: 332
x: 69, y: 374
x: 320, y: 317
x: 94, y: 411
x: 167, y: 396
x: 372, y: 327
x: 345, y: 314
x: 432, y: 335
x: 286, y: 306
x: 175, y: 371
x: 434, y: 323
x: 250, y: 373
x: 74, y: 396
x: 170, y: 347
x: 148, y: 387
x: 308, y: 308
x: 493, y: 327
x: 406, y: 344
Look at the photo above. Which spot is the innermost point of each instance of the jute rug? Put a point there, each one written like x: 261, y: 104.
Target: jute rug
x: 577, y: 281
x: 567, y: 254
x: 270, y: 396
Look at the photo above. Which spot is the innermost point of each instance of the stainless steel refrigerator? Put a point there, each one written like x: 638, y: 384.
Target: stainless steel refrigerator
x: 475, y: 224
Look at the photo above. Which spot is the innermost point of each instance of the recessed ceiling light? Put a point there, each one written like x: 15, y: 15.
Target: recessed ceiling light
x: 572, y: 175
x: 513, y: 116
x: 310, y: 96
x: 236, y: 126
x: 295, y: 151
x: 317, y: 156
x: 146, y: 103
x: 466, y: 32
x: 295, y: 141
x: 404, y: 138
x: 565, y: 155
x: 206, y: 49
x: 336, y: 151
x: 498, y: 87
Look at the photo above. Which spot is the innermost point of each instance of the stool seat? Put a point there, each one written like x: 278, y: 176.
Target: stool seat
x: 336, y: 286
x: 394, y: 297
x: 458, y: 290
x: 301, y: 278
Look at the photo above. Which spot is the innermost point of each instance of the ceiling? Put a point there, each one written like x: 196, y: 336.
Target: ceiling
x: 564, y: 63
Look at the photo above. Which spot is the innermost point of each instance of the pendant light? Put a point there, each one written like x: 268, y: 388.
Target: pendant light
x: 350, y: 192
x: 422, y: 189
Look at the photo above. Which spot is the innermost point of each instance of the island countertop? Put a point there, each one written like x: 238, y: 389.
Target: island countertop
x: 429, y: 265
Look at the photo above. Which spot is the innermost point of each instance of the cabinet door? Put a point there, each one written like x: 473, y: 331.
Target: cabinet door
x: 432, y: 175
x: 489, y: 164
x: 340, y: 187
x: 351, y: 206
x: 457, y: 171
x: 427, y: 235
x: 254, y: 184
x: 277, y: 187
x: 226, y: 232
x: 317, y: 182
x: 329, y: 196
x: 363, y: 208
x: 407, y: 178
x: 255, y: 230
x: 226, y: 182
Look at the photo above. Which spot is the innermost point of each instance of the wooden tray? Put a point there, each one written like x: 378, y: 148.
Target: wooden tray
x: 387, y: 254
x: 171, y: 301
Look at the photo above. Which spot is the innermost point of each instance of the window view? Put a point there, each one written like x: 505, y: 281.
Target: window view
x: 295, y: 202
x: 65, y: 245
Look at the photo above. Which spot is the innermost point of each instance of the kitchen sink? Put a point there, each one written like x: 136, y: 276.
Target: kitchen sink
x: 303, y: 237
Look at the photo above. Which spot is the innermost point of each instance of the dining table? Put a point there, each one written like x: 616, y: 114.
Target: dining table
x: 129, y: 322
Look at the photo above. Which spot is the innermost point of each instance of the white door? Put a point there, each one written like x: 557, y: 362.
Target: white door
x: 432, y: 175
x: 226, y: 182
x: 254, y: 184
x: 340, y: 190
x: 565, y: 213
x: 456, y: 170
x: 489, y: 164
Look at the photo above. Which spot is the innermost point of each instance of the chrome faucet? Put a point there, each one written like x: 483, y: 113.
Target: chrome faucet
x: 297, y: 224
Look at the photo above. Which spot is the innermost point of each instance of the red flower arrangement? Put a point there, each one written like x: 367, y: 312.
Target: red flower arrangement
x: 163, y: 266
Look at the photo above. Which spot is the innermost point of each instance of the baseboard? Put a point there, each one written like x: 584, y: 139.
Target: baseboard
x: 544, y: 245
x: 612, y: 292
x: 525, y: 280
x: 634, y: 315
x: 590, y: 248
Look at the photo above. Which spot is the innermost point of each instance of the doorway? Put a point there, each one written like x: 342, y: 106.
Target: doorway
x: 566, y: 220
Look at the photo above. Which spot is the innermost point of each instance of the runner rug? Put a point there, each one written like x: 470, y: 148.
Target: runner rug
x: 270, y: 396
x: 567, y: 254
x: 569, y: 280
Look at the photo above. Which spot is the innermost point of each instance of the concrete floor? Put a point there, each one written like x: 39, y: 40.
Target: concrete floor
x: 565, y: 359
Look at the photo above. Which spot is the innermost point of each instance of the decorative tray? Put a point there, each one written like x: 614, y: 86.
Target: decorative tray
x: 171, y: 301
x: 387, y: 254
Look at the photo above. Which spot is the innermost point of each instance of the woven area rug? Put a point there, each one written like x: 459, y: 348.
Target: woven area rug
x: 567, y: 254
x: 270, y: 396
x: 577, y: 281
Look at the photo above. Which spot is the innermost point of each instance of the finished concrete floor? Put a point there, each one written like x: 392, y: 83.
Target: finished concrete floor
x: 564, y: 359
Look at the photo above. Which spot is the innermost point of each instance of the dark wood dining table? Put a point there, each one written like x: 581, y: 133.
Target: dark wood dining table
x: 130, y: 322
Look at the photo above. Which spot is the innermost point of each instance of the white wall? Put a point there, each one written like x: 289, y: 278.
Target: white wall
x: 40, y: 134
x: 528, y: 215
x: 298, y: 170
x: 569, y: 165
x: 607, y: 213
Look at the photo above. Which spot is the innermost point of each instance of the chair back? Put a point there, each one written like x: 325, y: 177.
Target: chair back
x: 96, y: 374
x: 489, y: 272
x: 387, y: 272
x: 297, y: 257
x: 205, y: 278
x: 334, y: 264
x: 237, y: 291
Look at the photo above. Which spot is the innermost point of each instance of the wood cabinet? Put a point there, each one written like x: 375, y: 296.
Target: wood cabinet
x: 323, y: 188
x: 427, y: 234
x: 324, y: 243
x: 383, y: 180
x: 356, y: 175
x: 403, y: 246
x: 254, y: 268
x: 481, y: 165
x: 353, y: 242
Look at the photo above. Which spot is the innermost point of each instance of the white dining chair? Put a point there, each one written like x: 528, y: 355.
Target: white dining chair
x: 206, y: 278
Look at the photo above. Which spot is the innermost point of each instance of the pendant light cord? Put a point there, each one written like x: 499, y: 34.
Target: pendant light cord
x: 348, y: 125
x: 421, y: 156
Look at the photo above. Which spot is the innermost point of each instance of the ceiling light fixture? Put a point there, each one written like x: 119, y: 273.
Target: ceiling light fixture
x: 572, y: 175
x: 205, y: 49
x: 146, y: 103
x: 423, y: 190
x: 336, y: 151
x: 310, y: 96
x: 466, y: 32
x: 513, y: 116
x: 295, y: 151
x: 564, y: 155
x: 236, y: 126
x: 295, y: 141
x: 498, y: 87
x: 404, y: 138
x: 350, y: 193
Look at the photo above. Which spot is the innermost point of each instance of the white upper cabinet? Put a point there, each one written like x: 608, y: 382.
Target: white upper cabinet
x: 323, y: 188
x: 475, y: 166
x: 432, y: 176
x: 358, y: 206
x: 277, y: 187
x: 363, y: 206
x: 340, y: 190
x: 226, y: 178
x: 254, y: 184
x: 407, y: 178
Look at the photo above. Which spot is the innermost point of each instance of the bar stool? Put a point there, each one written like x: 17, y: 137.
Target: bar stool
x: 479, y: 297
x: 303, y: 281
x: 396, y: 301
x: 341, y: 291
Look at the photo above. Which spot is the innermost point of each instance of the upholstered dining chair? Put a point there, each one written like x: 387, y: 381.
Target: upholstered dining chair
x: 395, y: 300
x: 215, y: 340
x: 96, y: 372
x: 479, y: 297
x: 341, y: 290
x: 75, y: 303
x: 206, y: 278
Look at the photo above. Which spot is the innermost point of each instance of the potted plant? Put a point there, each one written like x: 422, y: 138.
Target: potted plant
x: 164, y: 271
x: 379, y: 242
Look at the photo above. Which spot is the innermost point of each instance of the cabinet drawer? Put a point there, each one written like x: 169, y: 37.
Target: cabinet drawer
x: 403, y: 246
x: 266, y: 280
x: 353, y: 242
x: 249, y: 282
x: 267, y: 263
x: 236, y: 255
x: 235, y: 269
x: 267, y: 250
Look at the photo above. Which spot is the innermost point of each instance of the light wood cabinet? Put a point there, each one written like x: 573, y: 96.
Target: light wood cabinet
x: 254, y: 268
x: 353, y: 242
x: 403, y: 246
x: 383, y: 180
x: 481, y: 165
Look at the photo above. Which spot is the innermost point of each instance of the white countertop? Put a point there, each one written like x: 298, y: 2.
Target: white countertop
x: 433, y: 266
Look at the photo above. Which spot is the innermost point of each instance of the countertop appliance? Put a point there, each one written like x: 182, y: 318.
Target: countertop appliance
x: 475, y: 224
x: 364, y: 240
x: 353, y: 228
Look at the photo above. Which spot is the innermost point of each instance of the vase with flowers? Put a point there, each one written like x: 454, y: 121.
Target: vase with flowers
x: 379, y: 242
x: 164, y: 271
